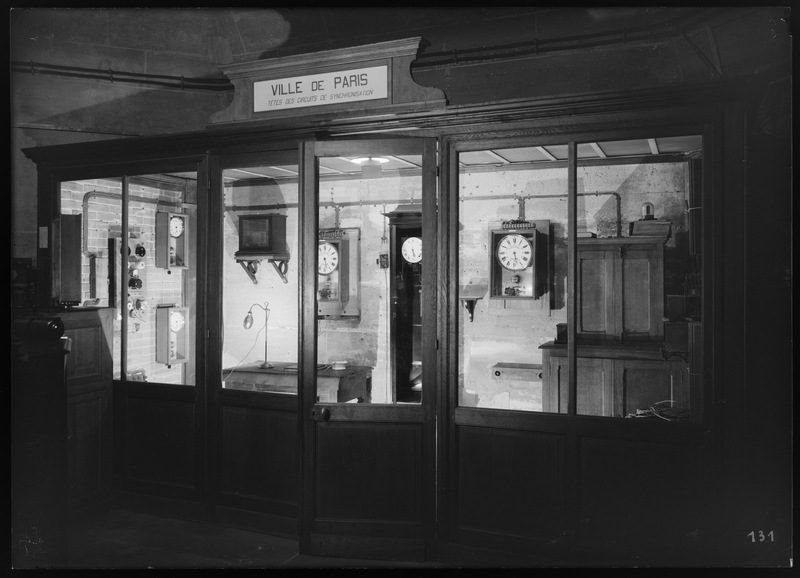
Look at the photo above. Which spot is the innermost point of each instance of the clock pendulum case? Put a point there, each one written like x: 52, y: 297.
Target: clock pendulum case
x: 172, y: 335
x: 172, y: 245
x: 338, y: 273
x: 519, y: 260
x: 406, y: 312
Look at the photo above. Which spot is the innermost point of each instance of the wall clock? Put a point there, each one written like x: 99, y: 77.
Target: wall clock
x: 518, y: 260
x: 172, y: 243
x: 412, y: 250
x: 514, y: 252
x: 338, y: 273
x: 172, y: 335
x: 327, y: 258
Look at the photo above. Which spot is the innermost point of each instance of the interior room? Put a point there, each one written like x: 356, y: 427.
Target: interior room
x: 401, y: 288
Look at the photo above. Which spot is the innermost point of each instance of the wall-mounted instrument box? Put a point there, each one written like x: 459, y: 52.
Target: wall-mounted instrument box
x: 172, y: 240
x: 339, y: 273
x: 172, y: 335
x: 518, y: 260
x: 263, y: 237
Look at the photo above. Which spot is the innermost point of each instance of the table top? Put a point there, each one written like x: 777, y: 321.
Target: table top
x: 290, y: 368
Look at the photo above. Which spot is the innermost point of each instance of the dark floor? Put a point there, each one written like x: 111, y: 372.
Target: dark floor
x: 123, y: 539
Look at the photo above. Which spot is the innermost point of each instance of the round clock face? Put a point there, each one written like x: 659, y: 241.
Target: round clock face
x: 514, y: 252
x: 176, y: 321
x: 412, y: 249
x: 327, y: 258
x: 176, y: 226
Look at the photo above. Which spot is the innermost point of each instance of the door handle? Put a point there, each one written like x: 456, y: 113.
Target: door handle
x: 324, y: 414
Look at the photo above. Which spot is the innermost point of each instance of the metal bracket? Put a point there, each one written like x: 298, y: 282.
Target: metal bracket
x: 251, y: 268
x: 281, y: 267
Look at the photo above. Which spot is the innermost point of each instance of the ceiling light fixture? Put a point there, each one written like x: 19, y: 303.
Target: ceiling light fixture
x: 370, y: 166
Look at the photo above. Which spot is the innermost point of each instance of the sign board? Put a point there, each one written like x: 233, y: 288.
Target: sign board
x: 344, y: 86
x: 374, y: 78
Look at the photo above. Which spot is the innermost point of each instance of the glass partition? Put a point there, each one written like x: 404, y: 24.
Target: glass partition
x: 638, y: 318
x: 146, y: 271
x: 638, y: 350
x: 260, y: 275
x: 369, y: 282
x: 512, y: 263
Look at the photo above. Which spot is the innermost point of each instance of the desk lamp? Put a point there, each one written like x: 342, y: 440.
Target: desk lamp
x: 248, y: 323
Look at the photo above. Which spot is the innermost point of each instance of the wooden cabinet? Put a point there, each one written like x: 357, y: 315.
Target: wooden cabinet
x: 595, y: 392
x: 89, y: 413
x: 621, y: 288
x: 614, y: 381
x: 38, y: 468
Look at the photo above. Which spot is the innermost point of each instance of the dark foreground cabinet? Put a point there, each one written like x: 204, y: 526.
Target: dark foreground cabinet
x: 89, y: 369
x: 39, y: 442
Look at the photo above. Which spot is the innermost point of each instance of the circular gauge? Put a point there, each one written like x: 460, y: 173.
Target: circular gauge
x: 327, y: 258
x: 514, y: 252
x: 176, y: 321
x: 176, y: 226
x: 412, y: 249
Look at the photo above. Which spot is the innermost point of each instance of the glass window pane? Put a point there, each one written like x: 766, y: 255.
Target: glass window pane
x: 147, y: 273
x: 512, y: 250
x: 369, y: 284
x: 260, y: 276
x: 638, y: 316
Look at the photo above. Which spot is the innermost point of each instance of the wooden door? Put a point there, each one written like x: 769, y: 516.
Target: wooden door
x: 597, y: 299
x: 368, y: 465
x: 641, y: 283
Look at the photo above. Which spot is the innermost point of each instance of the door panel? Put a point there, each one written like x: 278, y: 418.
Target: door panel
x: 369, y: 458
x: 387, y: 487
x: 532, y: 503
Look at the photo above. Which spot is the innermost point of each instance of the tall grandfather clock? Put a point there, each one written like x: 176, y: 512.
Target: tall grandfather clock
x: 405, y: 288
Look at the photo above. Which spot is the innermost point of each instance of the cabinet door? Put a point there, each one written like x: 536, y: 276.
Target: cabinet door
x: 89, y: 372
x: 597, y: 298
x: 641, y: 280
x: 595, y: 386
x: 642, y: 383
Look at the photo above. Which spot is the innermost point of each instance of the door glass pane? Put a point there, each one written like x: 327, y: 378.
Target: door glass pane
x: 512, y: 278
x: 147, y: 273
x: 369, y: 283
x: 260, y: 275
x: 638, y: 315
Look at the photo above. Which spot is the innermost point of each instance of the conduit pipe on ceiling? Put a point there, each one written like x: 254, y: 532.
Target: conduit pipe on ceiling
x: 661, y: 31
x: 110, y: 75
x: 668, y: 29
x: 277, y: 206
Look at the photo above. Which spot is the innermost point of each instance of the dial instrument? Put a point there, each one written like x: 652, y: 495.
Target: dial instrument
x: 514, y: 252
x: 412, y: 249
x: 176, y: 226
x: 176, y: 321
x: 327, y: 258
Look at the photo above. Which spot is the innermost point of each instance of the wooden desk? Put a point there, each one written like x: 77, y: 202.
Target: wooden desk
x: 333, y: 385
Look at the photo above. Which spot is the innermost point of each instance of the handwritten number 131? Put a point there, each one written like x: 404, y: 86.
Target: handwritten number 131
x: 760, y: 536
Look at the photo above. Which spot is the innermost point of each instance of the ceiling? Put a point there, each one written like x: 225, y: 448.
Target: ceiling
x: 665, y: 149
